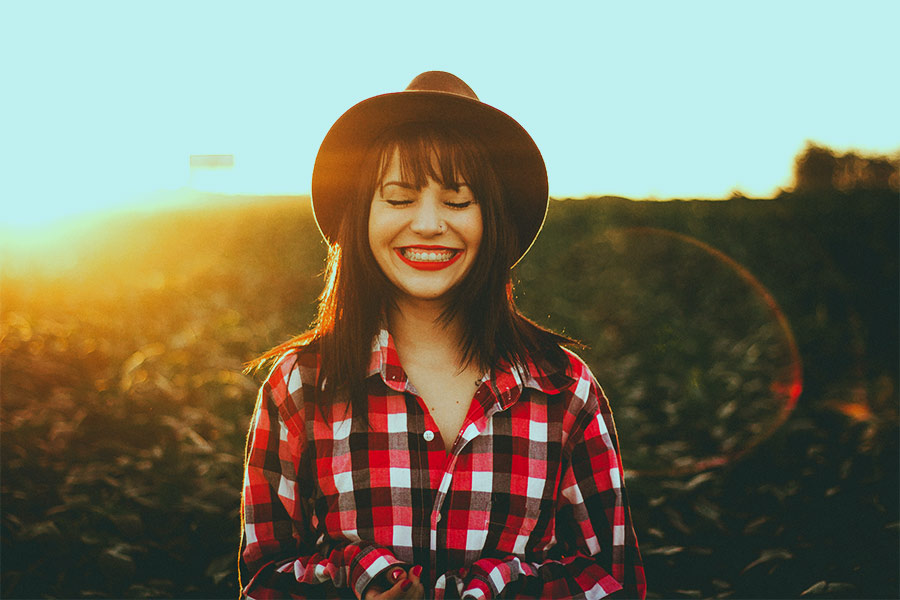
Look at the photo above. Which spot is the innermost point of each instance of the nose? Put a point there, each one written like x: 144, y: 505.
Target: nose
x: 427, y: 218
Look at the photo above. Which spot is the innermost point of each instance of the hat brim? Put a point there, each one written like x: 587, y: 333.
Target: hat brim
x: 515, y: 157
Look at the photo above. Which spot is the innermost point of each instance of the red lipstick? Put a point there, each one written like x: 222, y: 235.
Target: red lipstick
x: 429, y: 265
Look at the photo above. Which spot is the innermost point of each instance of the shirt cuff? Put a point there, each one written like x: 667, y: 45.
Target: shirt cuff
x: 489, y: 577
x: 473, y: 583
x: 369, y: 563
x: 476, y: 589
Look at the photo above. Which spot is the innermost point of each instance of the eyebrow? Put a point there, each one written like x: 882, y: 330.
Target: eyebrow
x: 402, y: 184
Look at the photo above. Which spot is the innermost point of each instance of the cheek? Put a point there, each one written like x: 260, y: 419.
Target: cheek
x: 476, y: 232
x: 370, y: 231
x: 376, y: 229
x: 381, y: 235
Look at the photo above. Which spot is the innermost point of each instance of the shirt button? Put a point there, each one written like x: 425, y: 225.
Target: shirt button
x: 428, y: 435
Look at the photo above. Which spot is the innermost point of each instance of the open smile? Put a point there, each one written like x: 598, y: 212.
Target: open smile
x: 428, y: 258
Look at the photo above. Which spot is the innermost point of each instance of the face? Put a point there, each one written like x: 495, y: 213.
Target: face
x: 425, y: 240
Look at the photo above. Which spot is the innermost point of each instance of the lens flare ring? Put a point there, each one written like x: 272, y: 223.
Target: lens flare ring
x: 787, y: 388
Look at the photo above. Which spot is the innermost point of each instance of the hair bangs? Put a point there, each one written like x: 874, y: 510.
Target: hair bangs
x: 427, y: 153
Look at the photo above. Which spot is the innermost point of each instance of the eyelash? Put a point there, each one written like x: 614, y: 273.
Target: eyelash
x: 450, y: 204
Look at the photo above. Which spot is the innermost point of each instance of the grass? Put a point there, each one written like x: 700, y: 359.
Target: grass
x: 124, y: 409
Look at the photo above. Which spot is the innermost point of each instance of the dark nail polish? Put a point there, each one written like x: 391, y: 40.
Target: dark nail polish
x: 417, y: 570
x: 406, y: 585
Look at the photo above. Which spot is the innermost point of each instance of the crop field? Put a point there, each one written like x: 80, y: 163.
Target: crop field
x: 749, y: 349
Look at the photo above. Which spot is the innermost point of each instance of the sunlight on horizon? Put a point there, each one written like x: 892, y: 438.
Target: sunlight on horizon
x: 178, y: 188
x: 61, y: 200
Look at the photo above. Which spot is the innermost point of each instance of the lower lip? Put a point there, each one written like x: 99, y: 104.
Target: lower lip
x: 428, y: 265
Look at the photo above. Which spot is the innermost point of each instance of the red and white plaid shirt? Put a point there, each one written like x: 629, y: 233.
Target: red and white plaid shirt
x: 530, y: 502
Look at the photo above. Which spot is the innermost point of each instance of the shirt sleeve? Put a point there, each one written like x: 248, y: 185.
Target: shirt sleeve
x: 599, y: 555
x: 280, y: 551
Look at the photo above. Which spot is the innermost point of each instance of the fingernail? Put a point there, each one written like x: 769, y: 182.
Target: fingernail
x: 396, y: 574
x: 417, y: 570
x: 406, y: 585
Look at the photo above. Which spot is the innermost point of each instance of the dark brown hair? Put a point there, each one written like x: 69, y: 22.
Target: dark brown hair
x: 357, y: 294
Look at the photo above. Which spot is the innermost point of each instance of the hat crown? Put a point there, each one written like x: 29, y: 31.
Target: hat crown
x: 440, y: 81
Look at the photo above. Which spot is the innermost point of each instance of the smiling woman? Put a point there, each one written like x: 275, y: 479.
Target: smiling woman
x: 425, y: 439
x: 414, y: 209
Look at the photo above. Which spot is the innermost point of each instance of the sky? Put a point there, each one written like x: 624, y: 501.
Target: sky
x: 105, y: 102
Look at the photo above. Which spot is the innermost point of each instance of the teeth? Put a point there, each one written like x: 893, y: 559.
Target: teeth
x: 428, y: 256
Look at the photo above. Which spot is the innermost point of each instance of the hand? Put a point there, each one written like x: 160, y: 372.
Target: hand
x: 397, y: 583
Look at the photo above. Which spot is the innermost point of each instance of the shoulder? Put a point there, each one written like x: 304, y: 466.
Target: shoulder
x: 290, y: 384
x: 583, y: 397
x: 576, y: 368
x: 582, y: 384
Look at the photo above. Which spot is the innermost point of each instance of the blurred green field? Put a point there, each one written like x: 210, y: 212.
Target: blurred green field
x: 123, y: 409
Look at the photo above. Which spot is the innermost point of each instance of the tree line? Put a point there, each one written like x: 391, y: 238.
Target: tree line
x: 819, y: 168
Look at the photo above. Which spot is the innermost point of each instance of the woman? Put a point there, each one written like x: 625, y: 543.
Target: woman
x: 425, y: 439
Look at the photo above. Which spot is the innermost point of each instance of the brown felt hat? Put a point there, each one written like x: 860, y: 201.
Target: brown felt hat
x: 439, y: 97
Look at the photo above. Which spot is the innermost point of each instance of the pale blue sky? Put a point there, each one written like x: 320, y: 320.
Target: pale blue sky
x: 105, y: 101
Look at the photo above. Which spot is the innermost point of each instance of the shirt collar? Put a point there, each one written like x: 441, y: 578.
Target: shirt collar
x: 506, y: 380
x: 386, y: 362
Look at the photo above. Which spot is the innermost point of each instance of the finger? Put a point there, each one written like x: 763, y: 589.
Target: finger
x: 396, y: 575
x: 412, y: 587
x: 383, y: 582
x: 415, y: 573
x: 412, y: 590
x: 398, y: 590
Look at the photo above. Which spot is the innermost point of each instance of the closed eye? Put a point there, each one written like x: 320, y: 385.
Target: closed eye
x: 398, y: 201
x: 458, y: 204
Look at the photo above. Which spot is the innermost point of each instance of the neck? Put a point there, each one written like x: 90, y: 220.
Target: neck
x: 420, y: 335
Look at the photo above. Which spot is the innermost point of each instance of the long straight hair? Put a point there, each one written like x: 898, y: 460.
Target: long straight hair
x: 357, y: 295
